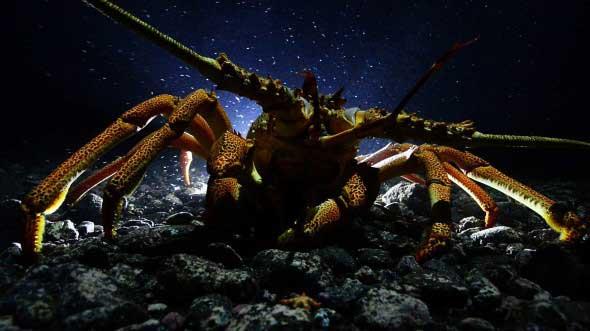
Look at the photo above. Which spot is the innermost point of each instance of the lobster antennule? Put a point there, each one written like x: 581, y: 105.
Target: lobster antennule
x: 479, y: 139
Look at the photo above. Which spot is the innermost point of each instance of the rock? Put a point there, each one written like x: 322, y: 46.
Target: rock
x: 498, y: 234
x: 138, y: 223
x: 413, y: 195
x: 366, y: 275
x: 186, y: 276
x: 475, y: 324
x: 11, y: 226
x: 89, y: 208
x: 341, y: 297
x: 547, y: 315
x: 60, y: 230
x: 375, y: 258
x: 558, y: 270
x: 539, y: 236
x: 326, y: 318
x: 407, y: 264
x: 181, y: 218
x: 525, y: 289
x: 48, y: 293
x: 437, y: 288
x: 149, y: 325
x: 173, y: 321
x: 469, y: 222
x: 85, y: 228
x: 10, y: 256
x: 209, y: 312
x: 266, y: 317
x: 163, y: 240
x: 485, y: 295
x: 291, y: 271
x: 106, y: 318
x: 224, y: 254
x: 383, y: 309
x: 157, y: 310
x: 337, y: 259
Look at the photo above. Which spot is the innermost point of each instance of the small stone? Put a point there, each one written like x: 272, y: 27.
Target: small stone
x: 469, y: 222
x: 157, y: 309
x: 224, y: 254
x: 338, y: 259
x: 61, y: 230
x: 11, y: 227
x: 524, y: 289
x: 407, y: 264
x: 498, y: 234
x: 138, y: 223
x: 173, y: 321
x: 413, y: 195
x: 475, y: 324
x: 89, y: 208
x: 340, y: 297
x: 366, y: 275
x: 85, y: 228
x: 181, y: 218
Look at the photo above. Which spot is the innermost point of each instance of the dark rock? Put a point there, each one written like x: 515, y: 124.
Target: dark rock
x: 384, y: 309
x: 106, y: 318
x: 498, y: 234
x: 224, y: 254
x: 184, y: 277
x: 157, y: 310
x: 340, y: 297
x: 10, y: 256
x: 485, y: 295
x: 11, y: 225
x: 173, y: 321
x: 181, y: 218
x: 525, y: 289
x: 437, y: 288
x: 210, y: 312
x: 539, y: 236
x: 469, y: 223
x: 366, y: 275
x: 50, y: 292
x: 266, y: 317
x: 163, y: 240
x: 546, y: 314
x: 292, y: 271
x: 138, y: 223
x: 558, y: 270
x: 337, y: 259
x: 375, y: 258
x: 407, y: 264
x: 85, y: 228
x: 149, y: 325
x: 475, y: 324
x: 89, y: 208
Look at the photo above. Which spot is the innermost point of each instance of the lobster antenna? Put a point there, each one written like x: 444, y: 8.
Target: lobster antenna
x: 479, y: 139
x: 207, y: 66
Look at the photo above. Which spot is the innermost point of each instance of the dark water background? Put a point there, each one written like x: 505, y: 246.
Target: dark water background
x: 70, y: 71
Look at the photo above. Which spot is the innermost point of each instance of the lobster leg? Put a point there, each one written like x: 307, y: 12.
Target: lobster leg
x: 359, y: 191
x: 48, y: 195
x: 566, y: 222
x: 126, y: 179
x: 481, y: 197
x: 439, y: 190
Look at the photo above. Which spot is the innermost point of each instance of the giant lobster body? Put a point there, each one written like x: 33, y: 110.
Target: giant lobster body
x: 298, y: 165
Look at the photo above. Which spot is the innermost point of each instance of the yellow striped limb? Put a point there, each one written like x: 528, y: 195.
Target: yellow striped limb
x: 566, y: 222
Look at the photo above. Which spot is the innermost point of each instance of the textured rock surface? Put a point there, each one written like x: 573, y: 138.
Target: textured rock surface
x: 167, y: 271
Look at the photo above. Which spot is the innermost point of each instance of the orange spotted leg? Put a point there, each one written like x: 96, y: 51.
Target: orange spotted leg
x: 126, y: 179
x: 50, y: 193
